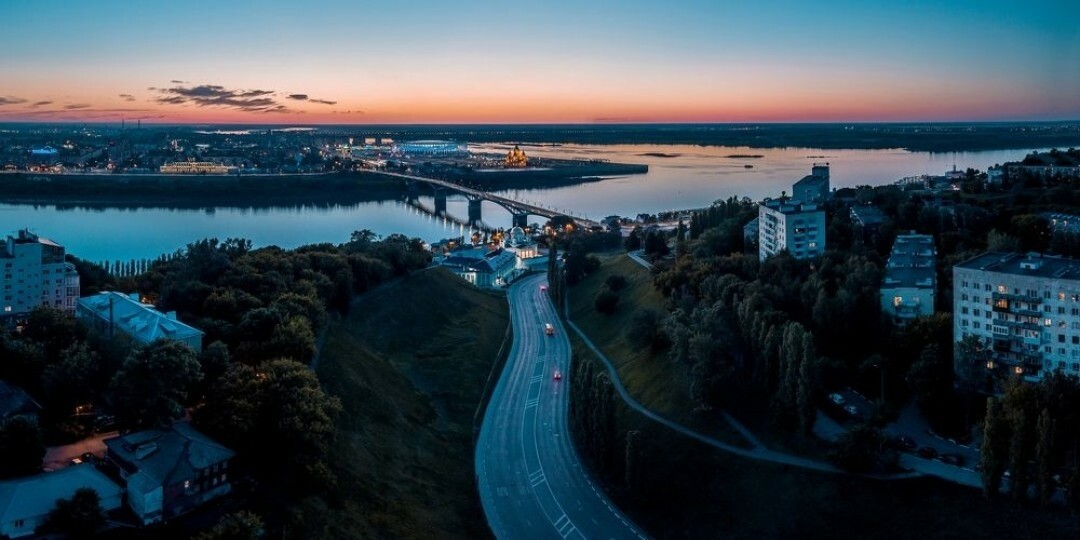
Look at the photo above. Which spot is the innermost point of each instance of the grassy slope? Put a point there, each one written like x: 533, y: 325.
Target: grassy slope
x: 688, y: 490
x: 410, y: 364
x: 650, y: 377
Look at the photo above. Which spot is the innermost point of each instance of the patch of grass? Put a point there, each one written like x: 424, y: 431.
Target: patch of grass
x: 409, y: 365
x: 648, y: 375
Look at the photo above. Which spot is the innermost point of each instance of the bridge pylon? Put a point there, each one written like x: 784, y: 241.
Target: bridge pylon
x: 475, y: 216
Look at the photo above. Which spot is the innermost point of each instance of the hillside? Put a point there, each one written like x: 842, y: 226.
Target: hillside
x: 409, y: 365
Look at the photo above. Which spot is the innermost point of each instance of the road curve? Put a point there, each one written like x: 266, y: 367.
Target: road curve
x: 532, y: 484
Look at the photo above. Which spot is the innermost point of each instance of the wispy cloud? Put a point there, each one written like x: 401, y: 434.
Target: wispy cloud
x: 75, y: 106
x: 323, y: 101
x: 37, y: 104
x: 10, y: 100
x: 128, y: 97
x: 298, y: 97
x: 213, y: 95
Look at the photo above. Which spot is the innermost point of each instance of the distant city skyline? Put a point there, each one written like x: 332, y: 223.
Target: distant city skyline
x: 487, y: 61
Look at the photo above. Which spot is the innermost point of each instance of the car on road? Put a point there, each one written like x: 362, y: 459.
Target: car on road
x: 906, y: 443
x: 951, y: 459
x: 543, y: 288
x: 851, y: 410
x: 549, y: 329
x: 558, y: 375
x: 837, y: 399
x: 927, y: 452
x: 87, y: 457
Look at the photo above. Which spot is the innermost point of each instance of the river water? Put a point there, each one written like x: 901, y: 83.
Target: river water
x: 680, y: 176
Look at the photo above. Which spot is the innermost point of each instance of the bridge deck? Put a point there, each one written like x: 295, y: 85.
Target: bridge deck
x: 513, y: 205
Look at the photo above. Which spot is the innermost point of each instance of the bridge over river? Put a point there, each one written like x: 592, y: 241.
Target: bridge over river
x: 520, y: 210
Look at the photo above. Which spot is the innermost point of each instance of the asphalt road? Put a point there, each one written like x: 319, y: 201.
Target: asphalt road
x: 532, y: 484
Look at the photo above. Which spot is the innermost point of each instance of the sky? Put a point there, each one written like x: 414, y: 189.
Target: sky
x: 556, y: 61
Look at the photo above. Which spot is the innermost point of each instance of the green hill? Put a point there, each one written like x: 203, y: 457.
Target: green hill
x: 410, y: 364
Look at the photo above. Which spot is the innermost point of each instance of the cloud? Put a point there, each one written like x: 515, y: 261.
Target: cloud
x: 37, y: 104
x: 213, y: 95
x: 9, y: 100
x: 298, y: 97
x: 74, y: 106
x: 323, y: 101
x: 128, y: 97
x: 175, y: 81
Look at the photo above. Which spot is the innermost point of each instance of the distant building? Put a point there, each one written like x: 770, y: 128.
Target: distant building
x: 516, y: 159
x: 909, y: 287
x: 519, y: 243
x: 866, y: 220
x: 482, y: 266
x: 169, y: 472
x: 1024, y: 308
x: 45, y: 155
x: 112, y: 312
x: 429, y: 148
x: 195, y: 167
x: 790, y: 225
x: 1063, y: 223
x: 25, y: 502
x: 815, y: 187
x: 33, y: 273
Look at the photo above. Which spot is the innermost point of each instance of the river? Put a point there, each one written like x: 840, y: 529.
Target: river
x: 680, y: 176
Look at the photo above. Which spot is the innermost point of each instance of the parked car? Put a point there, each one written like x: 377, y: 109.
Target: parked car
x: 104, y: 422
x: 837, y: 399
x: 558, y: 375
x: 927, y: 452
x: 549, y: 329
x: 951, y: 459
x: 851, y: 410
x: 906, y: 443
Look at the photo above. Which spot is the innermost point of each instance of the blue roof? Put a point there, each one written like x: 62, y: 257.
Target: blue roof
x: 140, y: 321
x: 31, y: 496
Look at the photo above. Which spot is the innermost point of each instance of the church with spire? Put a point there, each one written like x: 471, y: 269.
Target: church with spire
x: 516, y: 158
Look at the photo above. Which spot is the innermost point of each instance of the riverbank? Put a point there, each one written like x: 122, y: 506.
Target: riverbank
x: 195, y: 191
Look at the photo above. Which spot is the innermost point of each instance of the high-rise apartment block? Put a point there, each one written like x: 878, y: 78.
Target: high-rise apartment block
x: 908, y: 289
x: 791, y: 225
x: 33, y: 273
x: 1024, y: 308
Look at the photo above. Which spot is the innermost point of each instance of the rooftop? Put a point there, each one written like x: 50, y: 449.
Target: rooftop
x: 168, y: 456
x: 911, y: 263
x: 1031, y: 264
x: 140, y: 321
x: 30, y: 496
x: 790, y: 206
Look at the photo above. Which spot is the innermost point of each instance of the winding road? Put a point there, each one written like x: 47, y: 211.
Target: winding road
x: 532, y: 484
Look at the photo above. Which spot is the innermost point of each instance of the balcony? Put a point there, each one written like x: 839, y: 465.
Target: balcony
x: 1016, y: 297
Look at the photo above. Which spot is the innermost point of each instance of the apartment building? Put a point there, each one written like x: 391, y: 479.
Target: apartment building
x: 1024, y: 308
x: 33, y: 273
x: 908, y: 289
x: 792, y: 225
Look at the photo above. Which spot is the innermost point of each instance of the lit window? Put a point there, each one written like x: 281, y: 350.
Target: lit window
x: 897, y: 300
x: 1019, y: 370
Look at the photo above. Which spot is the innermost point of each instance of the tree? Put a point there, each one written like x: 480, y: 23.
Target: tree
x: 995, y: 447
x: 78, y: 517
x: 615, y: 282
x: 931, y: 380
x: 1045, y: 461
x: 633, y: 241
x: 606, y: 301
x: 858, y: 449
x: 153, y: 386
x: 242, y: 525
x: 646, y: 330
x: 71, y: 381
x: 280, y: 404
x: 22, y: 447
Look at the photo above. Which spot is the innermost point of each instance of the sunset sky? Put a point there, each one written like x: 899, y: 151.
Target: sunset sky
x: 421, y: 61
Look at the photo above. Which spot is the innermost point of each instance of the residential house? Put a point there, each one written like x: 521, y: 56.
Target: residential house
x: 169, y: 472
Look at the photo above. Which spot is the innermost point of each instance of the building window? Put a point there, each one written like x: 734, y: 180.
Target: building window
x: 964, y: 323
x: 1061, y: 296
x: 976, y: 312
x: 963, y: 310
x: 976, y: 325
